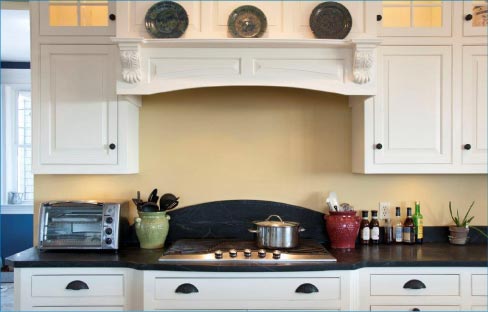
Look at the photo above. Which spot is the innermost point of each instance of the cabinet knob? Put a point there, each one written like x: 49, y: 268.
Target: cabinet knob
x: 467, y: 147
x: 112, y: 17
x: 468, y: 17
x: 379, y: 146
x: 414, y: 284
x: 307, y: 289
x: 415, y: 309
x: 186, y: 289
x: 379, y: 18
x: 77, y: 285
x: 112, y: 146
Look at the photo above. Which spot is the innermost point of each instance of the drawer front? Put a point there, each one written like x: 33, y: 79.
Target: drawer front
x: 251, y: 288
x: 479, y: 284
x: 403, y: 284
x: 479, y: 308
x: 96, y: 285
x: 411, y: 308
x: 80, y: 308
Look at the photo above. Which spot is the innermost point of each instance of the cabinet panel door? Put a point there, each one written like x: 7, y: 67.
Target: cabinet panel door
x: 413, y: 106
x: 475, y: 18
x: 78, y: 109
x: 475, y: 105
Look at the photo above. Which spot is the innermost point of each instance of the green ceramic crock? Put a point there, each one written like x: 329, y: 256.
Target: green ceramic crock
x: 152, y: 229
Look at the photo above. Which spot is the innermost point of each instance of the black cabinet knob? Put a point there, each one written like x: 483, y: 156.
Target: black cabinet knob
x: 468, y: 17
x: 379, y: 18
x: 186, y: 289
x: 415, y: 309
x: 414, y: 284
x: 467, y: 147
x: 77, y: 285
x: 307, y: 289
x: 112, y: 17
x: 112, y: 146
x: 379, y: 146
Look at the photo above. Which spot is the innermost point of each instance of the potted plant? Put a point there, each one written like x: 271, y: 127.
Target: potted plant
x: 459, y: 232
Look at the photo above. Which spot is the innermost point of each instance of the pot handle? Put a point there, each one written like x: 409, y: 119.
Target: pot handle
x: 253, y: 230
x: 277, y: 216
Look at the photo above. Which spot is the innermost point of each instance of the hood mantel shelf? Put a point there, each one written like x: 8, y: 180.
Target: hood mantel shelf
x: 152, y: 66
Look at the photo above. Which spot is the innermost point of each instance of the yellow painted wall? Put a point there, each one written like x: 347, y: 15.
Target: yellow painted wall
x: 278, y: 144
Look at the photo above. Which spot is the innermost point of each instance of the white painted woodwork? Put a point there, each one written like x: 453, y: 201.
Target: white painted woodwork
x: 77, y: 114
x: 479, y: 308
x: 413, y: 110
x: 472, y: 28
x: 475, y: 102
x: 411, y: 307
x: 375, y: 8
x: 98, y: 285
x: 479, y: 284
x: 45, y: 29
x: 435, y: 285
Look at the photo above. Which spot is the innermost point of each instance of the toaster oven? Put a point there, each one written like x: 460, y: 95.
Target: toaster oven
x: 81, y: 225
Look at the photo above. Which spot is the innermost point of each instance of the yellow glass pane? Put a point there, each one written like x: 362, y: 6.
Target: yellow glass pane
x: 480, y: 15
x: 396, y: 17
x: 63, y: 15
x: 433, y: 2
x: 94, y: 2
x: 395, y: 3
x: 427, y: 17
x: 93, y: 15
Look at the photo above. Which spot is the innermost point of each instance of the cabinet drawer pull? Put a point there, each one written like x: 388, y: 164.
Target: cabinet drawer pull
x: 112, y: 146
x: 468, y: 17
x: 379, y: 146
x: 186, y: 289
x: 467, y: 147
x: 414, y: 284
x: 379, y: 18
x: 307, y: 289
x: 77, y: 285
x: 112, y: 17
x: 415, y: 309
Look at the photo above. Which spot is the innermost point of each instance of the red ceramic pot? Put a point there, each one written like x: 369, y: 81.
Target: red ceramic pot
x: 343, y: 228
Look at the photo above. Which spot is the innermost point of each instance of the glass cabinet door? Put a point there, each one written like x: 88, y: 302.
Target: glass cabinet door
x: 475, y: 18
x: 413, y: 18
x: 77, y: 17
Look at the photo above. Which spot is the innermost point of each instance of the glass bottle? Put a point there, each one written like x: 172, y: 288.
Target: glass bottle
x: 409, y: 228
x: 374, y: 226
x: 388, y: 231
x: 418, y: 221
x: 398, y: 226
x: 364, y: 228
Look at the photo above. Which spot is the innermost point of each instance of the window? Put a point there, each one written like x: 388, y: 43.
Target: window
x: 16, y: 157
x: 84, y: 13
x: 412, y: 14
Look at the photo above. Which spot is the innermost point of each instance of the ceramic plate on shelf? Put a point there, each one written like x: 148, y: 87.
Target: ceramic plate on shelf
x: 247, y: 21
x: 330, y: 20
x: 166, y: 19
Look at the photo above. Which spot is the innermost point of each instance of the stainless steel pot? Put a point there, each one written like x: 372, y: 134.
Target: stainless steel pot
x: 277, y: 234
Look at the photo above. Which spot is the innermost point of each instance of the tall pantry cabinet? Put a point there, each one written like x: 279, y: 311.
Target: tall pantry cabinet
x: 80, y: 125
x: 429, y: 115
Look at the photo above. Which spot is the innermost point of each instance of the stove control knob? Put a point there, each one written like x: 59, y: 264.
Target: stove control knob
x: 233, y: 253
x: 276, y: 254
x: 262, y: 253
x: 247, y: 253
x: 218, y: 254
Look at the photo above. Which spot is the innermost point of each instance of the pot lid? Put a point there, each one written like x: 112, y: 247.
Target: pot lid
x: 280, y: 223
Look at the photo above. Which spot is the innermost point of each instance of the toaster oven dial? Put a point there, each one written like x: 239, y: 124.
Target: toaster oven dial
x: 108, y: 231
x: 233, y: 253
x: 262, y: 253
x: 219, y: 254
x: 109, y: 220
x: 247, y: 253
x: 108, y: 241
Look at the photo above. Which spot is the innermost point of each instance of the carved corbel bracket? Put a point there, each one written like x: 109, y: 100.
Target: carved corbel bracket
x: 364, y: 59
x: 130, y: 58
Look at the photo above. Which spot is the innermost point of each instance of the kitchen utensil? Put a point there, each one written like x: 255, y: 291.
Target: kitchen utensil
x: 173, y: 205
x: 149, y: 207
x: 276, y: 234
x: 153, y: 197
x: 330, y: 20
x: 168, y: 201
x: 333, y: 202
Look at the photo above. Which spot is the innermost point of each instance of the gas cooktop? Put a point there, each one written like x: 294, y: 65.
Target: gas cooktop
x: 243, y: 252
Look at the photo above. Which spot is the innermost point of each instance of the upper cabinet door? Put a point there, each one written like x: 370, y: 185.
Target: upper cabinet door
x: 411, y: 18
x: 475, y: 99
x: 78, y: 105
x: 77, y: 18
x: 412, y: 113
x: 475, y: 18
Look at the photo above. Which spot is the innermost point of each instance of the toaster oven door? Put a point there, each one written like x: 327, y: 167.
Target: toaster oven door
x: 72, y: 227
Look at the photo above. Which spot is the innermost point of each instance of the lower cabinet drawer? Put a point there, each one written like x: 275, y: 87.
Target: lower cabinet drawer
x: 249, y: 288
x: 479, y: 285
x: 78, y: 286
x: 415, y: 308
x: 414, y: 285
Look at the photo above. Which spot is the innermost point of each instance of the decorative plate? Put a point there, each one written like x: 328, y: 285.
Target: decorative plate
x: 330, y: 20
x: 247, y: 21
x: 166, y: 19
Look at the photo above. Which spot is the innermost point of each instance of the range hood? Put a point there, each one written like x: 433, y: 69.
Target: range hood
x: 152, y: 66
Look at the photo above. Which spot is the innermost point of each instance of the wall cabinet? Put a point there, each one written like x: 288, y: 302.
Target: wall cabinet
x: 82, y: 127
x: 475, y: 18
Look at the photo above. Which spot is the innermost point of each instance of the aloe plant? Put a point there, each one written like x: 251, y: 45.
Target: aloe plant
x: 466, y: 220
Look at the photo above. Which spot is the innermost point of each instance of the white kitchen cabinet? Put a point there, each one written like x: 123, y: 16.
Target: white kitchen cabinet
x: 475, y: 18
x: 77, y: 18
x: 410, y: 18
x: 475, y: 102
x: 80, y: 126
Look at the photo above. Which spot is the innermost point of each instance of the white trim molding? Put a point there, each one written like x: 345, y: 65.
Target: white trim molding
x: 16, y: 209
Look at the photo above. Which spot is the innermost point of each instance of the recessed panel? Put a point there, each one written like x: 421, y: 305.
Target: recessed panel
x: 171, y: 68
x: 304, y: 68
